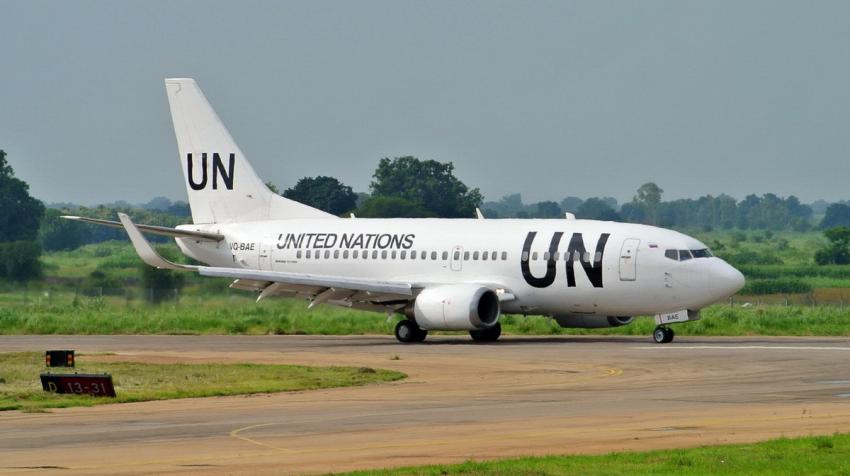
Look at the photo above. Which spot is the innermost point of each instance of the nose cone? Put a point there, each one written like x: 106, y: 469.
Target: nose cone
x: 725, y: 280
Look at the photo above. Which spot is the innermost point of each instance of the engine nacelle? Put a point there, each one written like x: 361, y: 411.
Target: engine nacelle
x: 456, y: 307
x: 587, y: 321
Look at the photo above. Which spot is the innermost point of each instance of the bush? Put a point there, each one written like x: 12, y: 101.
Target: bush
x: 776, y: 286
x: 19, y: 260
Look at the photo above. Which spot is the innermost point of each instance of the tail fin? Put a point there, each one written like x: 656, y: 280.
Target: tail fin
x: 221, y: 184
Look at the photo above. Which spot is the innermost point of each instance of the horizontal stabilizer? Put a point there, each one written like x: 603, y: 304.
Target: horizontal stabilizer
x: 153, y: 229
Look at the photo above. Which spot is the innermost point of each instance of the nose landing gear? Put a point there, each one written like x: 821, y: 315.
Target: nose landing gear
x: 663, y: 335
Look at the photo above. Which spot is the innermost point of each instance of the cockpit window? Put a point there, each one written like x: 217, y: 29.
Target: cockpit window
x: 684, y: 255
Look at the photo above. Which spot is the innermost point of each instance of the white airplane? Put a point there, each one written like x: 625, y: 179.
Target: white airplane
x: 439, y: 274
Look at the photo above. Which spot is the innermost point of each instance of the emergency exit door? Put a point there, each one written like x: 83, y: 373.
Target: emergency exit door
x: 628, y: 259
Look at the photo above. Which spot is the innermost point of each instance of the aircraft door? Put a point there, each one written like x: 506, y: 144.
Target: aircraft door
x: 628, y: 259
x: 457, y: 258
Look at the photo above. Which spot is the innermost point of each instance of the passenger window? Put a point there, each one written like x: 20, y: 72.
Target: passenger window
x: 586, y: 258
x: 505, y: 256
x: 424, y: 255
x: 525, y: 255
x: 434, y: 255
x: 466, y: 255
x: 298, y: 254
x: 556, y: 255
x: 327, y: 254
x: 597, y: 256
x: 684, y: 255
x: 345, y: 254
x: 412, y: 254
x: 493, y: 256
x: 308, y: 254
x: 384, y: 254
x: 403, y: 254
x: 534, y: 256
x: 475, y: 256
x: 445, y: 255
x: 336, y: 254
x: 672, y: 254
x: 375, y: 254
x: 393, y: 254
x: 457, y: 256
x: 318, y: 254
x: 545, y: 256
x: 484, y: 256
x: 355, y: 254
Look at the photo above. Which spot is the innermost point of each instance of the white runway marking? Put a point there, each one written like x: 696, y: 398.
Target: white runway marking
x: 740, y: 347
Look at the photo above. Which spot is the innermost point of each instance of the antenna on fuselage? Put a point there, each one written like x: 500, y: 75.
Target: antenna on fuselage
x: 478, y: 213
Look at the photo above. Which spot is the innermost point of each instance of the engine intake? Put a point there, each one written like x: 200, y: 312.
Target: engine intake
x: 587, y: 321
x: 457, y: 307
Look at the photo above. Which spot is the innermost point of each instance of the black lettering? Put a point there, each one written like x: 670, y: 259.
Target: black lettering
x: 408, y: 241
x: 218, y: 168
x: 395, y: 241
x: 382, y: 242
x: 331, y: 241
x: 549, y: 277
x: 594, y: 271
x: 190, y: 164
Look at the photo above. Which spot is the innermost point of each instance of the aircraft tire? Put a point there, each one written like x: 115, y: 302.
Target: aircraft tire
x: 421, y: 334
x: 668, y: 338
x: 407, y: 331
x: 659, y: 335
x: 490, y: 334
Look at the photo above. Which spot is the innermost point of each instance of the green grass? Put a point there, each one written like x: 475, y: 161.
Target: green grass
x: 811, y: 455
x: 20, y: 387
x: 62, y: 313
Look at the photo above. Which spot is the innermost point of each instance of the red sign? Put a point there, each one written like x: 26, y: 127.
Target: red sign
x: 98, y: 385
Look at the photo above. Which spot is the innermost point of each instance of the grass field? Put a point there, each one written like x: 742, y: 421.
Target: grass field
x: 65, y: 313
x: 812, y: 455
x: 20, y: 387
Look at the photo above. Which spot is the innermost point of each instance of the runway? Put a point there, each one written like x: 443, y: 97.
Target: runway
x: 520, y: 396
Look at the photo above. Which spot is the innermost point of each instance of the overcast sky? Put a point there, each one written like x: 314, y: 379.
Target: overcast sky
x: 548, y: 99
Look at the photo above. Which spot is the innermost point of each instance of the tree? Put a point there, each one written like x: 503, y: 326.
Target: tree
x: 56, y: 233
x: 20, y: 214
x: 838, y: 249
x: 597, y: 209
x: 836, y: 215
x: 324, y: 193
x: 429, y: 184
x: 390, y: 207
x: 20, y: 217
x: 649, y: 197
x: 548, y: 209
x: 571, y: 204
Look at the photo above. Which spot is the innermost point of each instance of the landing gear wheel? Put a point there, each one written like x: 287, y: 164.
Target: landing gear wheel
x: 490, y: 334
x: 407, y: 331
x: 663, y: 335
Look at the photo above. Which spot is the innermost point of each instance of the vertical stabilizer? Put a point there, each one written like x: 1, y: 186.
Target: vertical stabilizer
x: 221, y: 184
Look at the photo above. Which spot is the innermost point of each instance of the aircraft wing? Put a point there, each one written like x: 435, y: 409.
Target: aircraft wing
x: 354, y: 292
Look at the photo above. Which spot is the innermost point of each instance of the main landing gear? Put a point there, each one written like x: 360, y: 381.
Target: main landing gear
x: 490, y: 334
x: 406, y: 331
x: 663, y: 335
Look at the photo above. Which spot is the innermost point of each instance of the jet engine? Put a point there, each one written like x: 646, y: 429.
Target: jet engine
x: 587, y: 321
x: 456, y: 307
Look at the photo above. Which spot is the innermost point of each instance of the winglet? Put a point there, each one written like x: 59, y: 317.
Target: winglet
x: 144, y: 248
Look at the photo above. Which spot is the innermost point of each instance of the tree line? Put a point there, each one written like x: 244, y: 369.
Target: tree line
x: 401, y: 187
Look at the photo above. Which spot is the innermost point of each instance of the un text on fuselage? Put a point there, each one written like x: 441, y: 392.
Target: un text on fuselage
x: 576, y: 251
x: 218, y: 170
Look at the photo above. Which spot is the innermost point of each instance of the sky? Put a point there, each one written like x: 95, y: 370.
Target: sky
x: 546, y: 99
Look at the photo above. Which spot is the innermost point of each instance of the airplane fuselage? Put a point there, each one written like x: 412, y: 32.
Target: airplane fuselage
x: 550, y: 267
